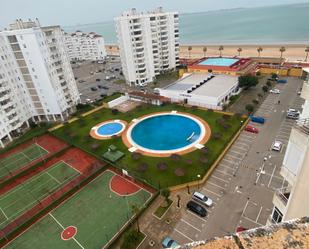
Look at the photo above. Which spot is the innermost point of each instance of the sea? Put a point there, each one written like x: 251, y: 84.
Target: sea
x: 284, y: 24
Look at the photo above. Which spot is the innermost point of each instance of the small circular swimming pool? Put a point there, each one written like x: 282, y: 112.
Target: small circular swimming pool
x: 108, y: 129
x: 166, y: 133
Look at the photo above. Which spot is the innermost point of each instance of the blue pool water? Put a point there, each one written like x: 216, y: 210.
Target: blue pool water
x: 109, y: 129
x: 165, y: 132
x: 218, y: 62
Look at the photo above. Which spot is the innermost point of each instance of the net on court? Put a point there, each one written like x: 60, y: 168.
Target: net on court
x: 95, y: 211
x: 20, y: 159
x: 31, y: 192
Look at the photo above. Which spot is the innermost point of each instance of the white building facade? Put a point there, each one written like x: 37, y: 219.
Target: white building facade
x: 148, y: 44
x: 36, y: 78
x: 292, y: 201
x: 81, y: 46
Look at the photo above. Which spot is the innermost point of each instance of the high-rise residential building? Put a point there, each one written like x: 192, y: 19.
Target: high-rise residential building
x: 82, y: 46
x: 36, y: 78
x: 148, y: 43
x: 292, y: 200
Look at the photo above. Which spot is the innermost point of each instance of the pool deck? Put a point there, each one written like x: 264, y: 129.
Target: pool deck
x: 132, y: 148
x: 93, y: 131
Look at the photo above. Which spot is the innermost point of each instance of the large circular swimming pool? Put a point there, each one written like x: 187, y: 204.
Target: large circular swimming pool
x: 166, y: 133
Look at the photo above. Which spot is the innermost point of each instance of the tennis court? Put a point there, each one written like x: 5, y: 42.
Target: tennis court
x: 20, y: 159
x: 29, y: 193
x: 89, y: 219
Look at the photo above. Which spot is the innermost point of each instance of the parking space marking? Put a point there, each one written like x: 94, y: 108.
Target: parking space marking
x: 189, y: 224
x: 212, y: 192
x: 183, y: 234
x: 272, y: 175
x: 236, y: 152
x: 225, y: 173
x: 215, y: 185
x: 258, y: 216
x: 219, y: 179
x: 235, y: 157
x: 241, y: 143
x: 239, y: 148
x: 196, y: 216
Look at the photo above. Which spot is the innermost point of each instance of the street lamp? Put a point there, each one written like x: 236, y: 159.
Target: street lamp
x: 198, y: 178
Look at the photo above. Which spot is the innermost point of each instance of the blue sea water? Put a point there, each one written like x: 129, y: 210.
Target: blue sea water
x: 109, y: 129
x: 263, y: 25
x: 165, y: 132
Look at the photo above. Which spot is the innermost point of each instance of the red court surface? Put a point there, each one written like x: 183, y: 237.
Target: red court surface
x: 74, y: 157
x: 47, y: 142
x: 122, y: 186
x: 69, y: 233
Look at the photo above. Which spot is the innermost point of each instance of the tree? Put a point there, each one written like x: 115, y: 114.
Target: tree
x: 307, y: 52
x: 255, y: 101
x: 204, y: 51
x: 166, y: 194
x: 259, y: 95
x: 274, y: 76
x: 247, y: 81
x: 189, y: 51
x: 221, y: 48
x: 259, y: 50
x: 282, y: 50
x: 249, y: 108
x: 258, y: 73
x: 268, y: 83
x: 135, y: 210
x: 239, y: 51
x: 265, y: 89
x: 130, y: 239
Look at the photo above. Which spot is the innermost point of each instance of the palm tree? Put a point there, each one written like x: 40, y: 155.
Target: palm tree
x: 135, y: 210
x: 204, y: 51
x: 282, y: 49
x: 189, y: 50
x: 239, y: 51
x: 260, y: 49
x: 307, y: 52
x: 220, y: 50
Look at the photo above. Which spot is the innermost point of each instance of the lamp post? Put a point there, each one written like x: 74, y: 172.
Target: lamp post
x: 198, y: 181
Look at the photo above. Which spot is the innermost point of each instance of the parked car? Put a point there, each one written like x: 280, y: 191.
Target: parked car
x: 276, y: 146
x: 273, y: 79
x: 252, y: 129
x: 97, y: 79
x: 103, y: 95
x: 93, y: 88
x: 91, y: 72
x: 100, y: 86
x: 282, y: 81
x: 257, y: 119
x: 168, y: 242
x: 196, y: 208
x: 201, y: 198
x: 240, y: 229
x: 292, y: 114
x: 81, y: 81
x: 105, y: 87
x: 275, y: 90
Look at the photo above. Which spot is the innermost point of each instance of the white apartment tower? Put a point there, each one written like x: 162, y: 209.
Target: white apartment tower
x: 292, y: 201
x: 148, y: 43
x: 36, y: 78
x: 81, y: 46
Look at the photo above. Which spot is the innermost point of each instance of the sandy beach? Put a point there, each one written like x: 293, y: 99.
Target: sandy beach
x: 292, y: 53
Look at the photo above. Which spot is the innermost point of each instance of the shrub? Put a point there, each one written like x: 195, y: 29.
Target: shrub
x: 260, y: 95
x: 142, y: 167
x: 161, y: 166
x: 265, y: 89
x: 247, y: 81
x: 258, y: 73
x: 115, y: 111
x: 268, y: 83
x: 95, y: 146
x: 175, y: 157
x: 226, y: 117
x: 188, y: 161
x: 255, y: 101
x: 249, y: 108
x: 226, y: 126
x: 217, y: 135
x: 205, y: 150
x: 130, y: 239
x: 136, y: 155
x: 179, y: 172
x: 220, y: 121
x: 203, y: 159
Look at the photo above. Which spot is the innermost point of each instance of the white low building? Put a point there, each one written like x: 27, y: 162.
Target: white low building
x: 205, y: 90
x: 82, y: 46
x: 36, y: 78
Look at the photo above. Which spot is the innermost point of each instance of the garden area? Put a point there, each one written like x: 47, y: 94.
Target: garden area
x: 160, y: 172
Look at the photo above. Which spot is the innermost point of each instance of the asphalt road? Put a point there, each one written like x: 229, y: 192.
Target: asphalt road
x: 243, y: 184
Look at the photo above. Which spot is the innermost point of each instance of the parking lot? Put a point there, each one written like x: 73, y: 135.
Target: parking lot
x: 243, y: 184
x: 93, y: 75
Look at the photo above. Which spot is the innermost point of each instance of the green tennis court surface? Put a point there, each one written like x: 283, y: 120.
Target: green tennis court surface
x: 28, y: 194
x: 96, y: 212
x: 20, y: 159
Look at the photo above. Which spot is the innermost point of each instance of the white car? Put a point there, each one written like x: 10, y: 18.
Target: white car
x: 276, y: 146
x: 275, y: 90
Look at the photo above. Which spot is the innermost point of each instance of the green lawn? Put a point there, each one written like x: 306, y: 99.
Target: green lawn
x: 27, y: 194
x: 193, y: 163
x: 20, y: 159
x: 96, y: 212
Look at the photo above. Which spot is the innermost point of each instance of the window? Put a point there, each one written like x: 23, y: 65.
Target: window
x: 277, y: 215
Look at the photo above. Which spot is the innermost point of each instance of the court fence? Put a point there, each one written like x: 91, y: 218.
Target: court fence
x: 52, y: 200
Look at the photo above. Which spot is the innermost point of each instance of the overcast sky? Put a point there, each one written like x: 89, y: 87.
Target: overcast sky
x: 72, y: 12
